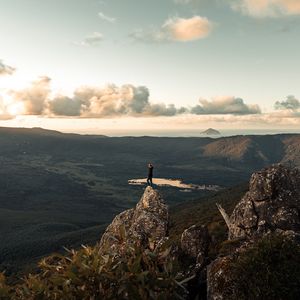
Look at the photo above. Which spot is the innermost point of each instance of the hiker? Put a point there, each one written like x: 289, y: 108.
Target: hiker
x: 150, y: 174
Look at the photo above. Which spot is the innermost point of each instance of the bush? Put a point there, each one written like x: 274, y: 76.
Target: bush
x: 269, y: 269
x: 4, y: 288
x: 85, y: 274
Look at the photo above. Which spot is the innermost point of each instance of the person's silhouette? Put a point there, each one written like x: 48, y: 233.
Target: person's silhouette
x: 150, y: 174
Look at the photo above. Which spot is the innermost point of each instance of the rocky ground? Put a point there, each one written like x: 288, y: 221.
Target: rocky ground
x: 271, y: 206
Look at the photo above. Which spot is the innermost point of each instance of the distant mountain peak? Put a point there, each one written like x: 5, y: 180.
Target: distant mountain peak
x: 211, y: 131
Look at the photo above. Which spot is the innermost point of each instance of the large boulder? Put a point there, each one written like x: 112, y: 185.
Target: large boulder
x: 271, y: 206
x: 195, y: 242
x: 145, y: 225
x: 273, y: 202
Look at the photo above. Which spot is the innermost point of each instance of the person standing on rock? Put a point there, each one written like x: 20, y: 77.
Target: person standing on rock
x: 150, y: 174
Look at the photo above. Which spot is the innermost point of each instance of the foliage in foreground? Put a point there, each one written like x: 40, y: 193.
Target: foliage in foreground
x: 85, y: 274
x: 269, y: 269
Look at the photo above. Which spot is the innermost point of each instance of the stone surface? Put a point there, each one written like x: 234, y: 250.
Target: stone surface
x: 195, y: 242
x: 115, y: 234
x: 273, y: 202
x: 218, y: 278
x: 146, y: 225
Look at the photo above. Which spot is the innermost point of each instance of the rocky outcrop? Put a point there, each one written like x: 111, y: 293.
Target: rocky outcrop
x: 271, y: 205
x: 195, y: 242
x: 146, y: 225
x: 273, y: 202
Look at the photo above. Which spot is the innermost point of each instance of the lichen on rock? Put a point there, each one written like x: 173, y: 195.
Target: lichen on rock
x: 195, y: 242
x: 146, y: 224
x: 271, y: 206
x: 272, y: 202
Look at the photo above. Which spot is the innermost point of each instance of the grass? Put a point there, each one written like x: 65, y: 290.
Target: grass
x: 204, y: 212
x: 269, y: 269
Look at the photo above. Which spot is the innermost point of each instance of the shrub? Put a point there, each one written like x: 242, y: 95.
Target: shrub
x: 269, y: 269
x: 4, y: 288
x: 85, y: 274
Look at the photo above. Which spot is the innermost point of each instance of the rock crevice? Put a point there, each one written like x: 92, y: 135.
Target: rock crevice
x: 272, y: 202
x: 271, y: 205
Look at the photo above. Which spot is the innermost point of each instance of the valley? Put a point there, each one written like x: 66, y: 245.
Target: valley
x: 61, y: 190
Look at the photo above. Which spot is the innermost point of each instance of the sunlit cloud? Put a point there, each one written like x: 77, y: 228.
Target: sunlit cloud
x: 110, y: 101
x: 267, y: 8
x: 224, y: 105
x: 33, y: 98
x: 176, y: 30
x: 6, y: 69
x: 106, y: 18
x: 4, y: 115
x: 9, y: 108
x: 128, y: 108
x: 133, y: 102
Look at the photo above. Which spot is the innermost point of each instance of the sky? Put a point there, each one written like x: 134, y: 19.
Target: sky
x: 94, y: 66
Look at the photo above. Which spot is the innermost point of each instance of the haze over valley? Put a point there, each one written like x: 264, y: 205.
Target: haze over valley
x: 63, y: 189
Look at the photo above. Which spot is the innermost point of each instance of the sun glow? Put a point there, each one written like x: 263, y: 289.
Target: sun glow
x: 15, y: 109
x: 12, y: 107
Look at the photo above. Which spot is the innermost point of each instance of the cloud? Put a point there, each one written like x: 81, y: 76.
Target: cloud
x: 3, y: 111
x: 286, y: 114
x: 35, y: 97
x: 5, y: 117
x: 280, y: 119
x: 162, y: 109
x: 5, y: 69
x: 65, y: 106
x: 106, y: 18
x: 290, y: 103
x: 114, y: 101
x: 176, y: 30
x: 184, y: 30
x: 91, y: 40
x: 132, y: 100
x: 109, y: 102
x: 224, y: 105
x: 89, y: 102
x: 267, y: 8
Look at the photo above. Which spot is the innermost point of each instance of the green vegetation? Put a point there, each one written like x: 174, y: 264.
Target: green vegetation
x: 269, y: 269
x: 63, y: 189
x: 85, y: 274
x: 203, y: 211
